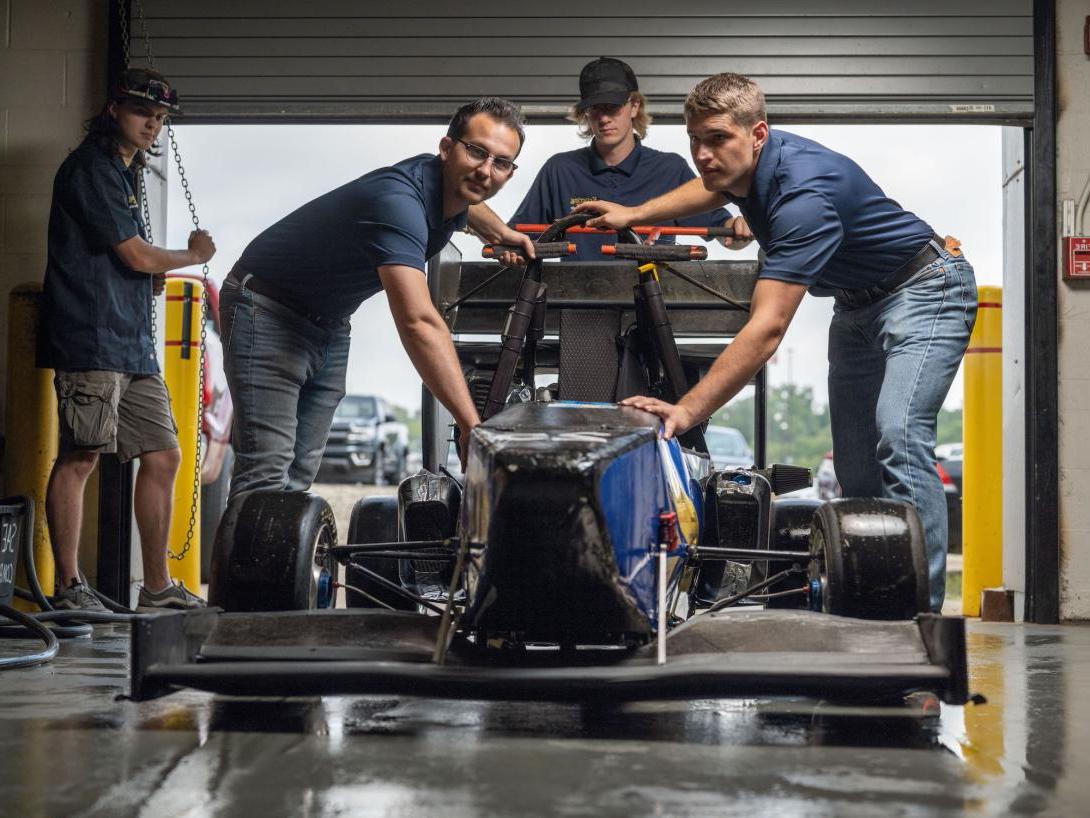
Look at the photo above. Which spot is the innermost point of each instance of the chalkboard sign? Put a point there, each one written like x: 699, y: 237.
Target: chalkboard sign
x: 14, y: 521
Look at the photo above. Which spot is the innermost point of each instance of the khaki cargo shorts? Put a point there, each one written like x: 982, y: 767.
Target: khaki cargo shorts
x: 114, y: 412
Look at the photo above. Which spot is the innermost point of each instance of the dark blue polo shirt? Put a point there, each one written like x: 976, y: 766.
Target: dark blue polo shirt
x: 822, y: 221
x: 327, y: 253
x: 569, y: 178
x: 96, y: 312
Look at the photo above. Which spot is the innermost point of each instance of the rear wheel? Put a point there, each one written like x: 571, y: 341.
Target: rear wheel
x: 867, y: 559
x: 374, y: 519
x: 272, y: 553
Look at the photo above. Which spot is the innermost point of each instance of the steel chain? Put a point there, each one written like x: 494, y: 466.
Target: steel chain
x: 139, y: 8
x: 141, y: 184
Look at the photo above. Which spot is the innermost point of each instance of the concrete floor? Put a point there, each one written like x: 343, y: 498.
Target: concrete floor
x: 73, y: 746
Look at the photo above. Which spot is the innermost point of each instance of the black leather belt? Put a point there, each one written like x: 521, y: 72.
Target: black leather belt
x: 289, y: 302
x: 928, y: 254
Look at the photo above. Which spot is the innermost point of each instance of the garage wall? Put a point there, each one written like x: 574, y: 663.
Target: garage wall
x: 52, y: 70
x: 968, y: 59
x: 1072, y: 174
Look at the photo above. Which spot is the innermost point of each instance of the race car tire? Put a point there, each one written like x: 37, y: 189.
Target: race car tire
x: 867, y: 559
x: 374, y: 519
x: 271, y: 553
x: 789, y: 530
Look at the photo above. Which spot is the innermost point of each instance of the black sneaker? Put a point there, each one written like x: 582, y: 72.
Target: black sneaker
x: 175, y: 597
x: 77, y: 597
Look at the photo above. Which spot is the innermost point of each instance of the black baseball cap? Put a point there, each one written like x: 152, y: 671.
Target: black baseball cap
x: 605, y: 81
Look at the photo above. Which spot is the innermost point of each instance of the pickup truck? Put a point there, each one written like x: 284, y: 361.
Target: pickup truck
x: 367, y: 444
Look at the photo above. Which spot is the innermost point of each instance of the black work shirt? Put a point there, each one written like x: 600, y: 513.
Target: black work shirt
x: 578, y: 176
x: 96, y: 311
x: 325, y: 255
x: 822, y: 221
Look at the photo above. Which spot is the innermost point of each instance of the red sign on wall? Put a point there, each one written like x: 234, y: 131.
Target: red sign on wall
x: 1076, y: 257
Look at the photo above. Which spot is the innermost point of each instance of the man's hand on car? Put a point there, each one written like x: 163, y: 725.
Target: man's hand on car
x: 463, y: 445
x: 676, y: 418
x: 201, y: 246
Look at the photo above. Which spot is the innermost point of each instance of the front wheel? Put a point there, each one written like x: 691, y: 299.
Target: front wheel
x: 867, y: 559
x: 272, y: 553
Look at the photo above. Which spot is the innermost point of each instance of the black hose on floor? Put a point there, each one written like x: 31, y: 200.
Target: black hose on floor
x: 66, y: 624
x: 35, y: 628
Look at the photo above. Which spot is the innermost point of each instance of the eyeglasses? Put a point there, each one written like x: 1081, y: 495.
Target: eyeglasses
x: 500, y: 165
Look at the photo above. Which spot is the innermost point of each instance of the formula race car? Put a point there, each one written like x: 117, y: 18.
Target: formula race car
x: 585, y: 558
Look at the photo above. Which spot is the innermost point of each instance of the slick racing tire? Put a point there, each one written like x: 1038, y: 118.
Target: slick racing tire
x: 272, y: 553
x: 789, y: 531
x: 374, y: 519
x: 867, y: 559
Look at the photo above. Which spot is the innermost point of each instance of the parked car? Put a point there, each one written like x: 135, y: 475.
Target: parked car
x: 367, y: 443
x: 949, y: 451
x: 728, y: 447
x: 828, y: 487
x: 217, y: 456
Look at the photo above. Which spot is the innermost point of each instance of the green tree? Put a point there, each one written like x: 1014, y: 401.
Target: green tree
x: 412, y: 420
x: 798, y: 428
x: 949, y: 428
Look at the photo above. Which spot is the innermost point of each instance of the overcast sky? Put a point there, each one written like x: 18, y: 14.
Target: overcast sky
x: 245, y: 177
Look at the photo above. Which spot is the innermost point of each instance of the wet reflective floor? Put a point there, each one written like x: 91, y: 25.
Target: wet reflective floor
x: 72, y: 747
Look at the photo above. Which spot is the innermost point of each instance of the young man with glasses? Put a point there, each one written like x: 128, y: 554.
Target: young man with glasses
x: 616, y: 166
x: 286, y: 305
x: 96, y: 333
x: 905, y: 299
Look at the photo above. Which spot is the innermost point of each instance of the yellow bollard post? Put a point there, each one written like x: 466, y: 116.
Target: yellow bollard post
x: 181, y: 371
x: 30, y: 425
x: 982, y: 477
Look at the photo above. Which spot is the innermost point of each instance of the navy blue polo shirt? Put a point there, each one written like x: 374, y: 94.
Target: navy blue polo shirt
x: 573, y: 177
x: 822, y: 221
x: 96, y: 311
x: 327, y: 253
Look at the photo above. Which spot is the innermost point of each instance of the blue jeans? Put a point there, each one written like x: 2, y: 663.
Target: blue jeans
x: 286, y: 376
x: 890, y: 366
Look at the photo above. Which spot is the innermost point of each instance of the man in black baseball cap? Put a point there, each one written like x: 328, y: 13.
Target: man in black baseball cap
x: 606, y: 81
x: 97, y: 335
x: 616, y: 166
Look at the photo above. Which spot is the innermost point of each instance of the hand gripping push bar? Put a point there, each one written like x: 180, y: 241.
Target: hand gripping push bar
x: 542, y: 249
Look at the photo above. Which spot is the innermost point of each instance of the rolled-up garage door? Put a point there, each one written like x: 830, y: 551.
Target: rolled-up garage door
x: 848, y: 60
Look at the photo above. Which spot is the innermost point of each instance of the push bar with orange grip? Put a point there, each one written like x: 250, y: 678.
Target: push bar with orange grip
x: 546, y: 249
x: 656, y: 252
x: 644, y: 230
